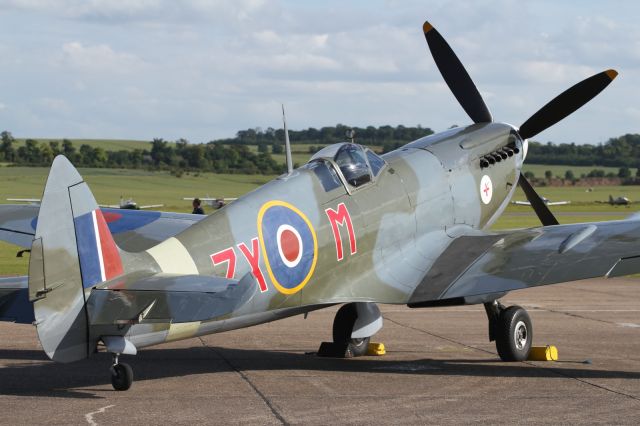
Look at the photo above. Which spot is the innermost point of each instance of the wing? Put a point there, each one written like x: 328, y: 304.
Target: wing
x: 18, y: 223
x: 558, y: 203
x: 14, y: 300
x: 211, y: 198
x: 478, y: 268
x: 25, y: 200
x: 133, y: 230
x: 521, y: 203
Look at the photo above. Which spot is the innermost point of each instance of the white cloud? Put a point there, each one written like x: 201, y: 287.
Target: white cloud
x: 301, y: 61
x: 142, y: 10
x: 553, y: 72
x: 202, y: 69
x: 99, y: 58
x: 54, y: 105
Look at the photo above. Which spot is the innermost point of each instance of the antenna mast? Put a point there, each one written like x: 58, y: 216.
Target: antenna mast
x: 287, y: 144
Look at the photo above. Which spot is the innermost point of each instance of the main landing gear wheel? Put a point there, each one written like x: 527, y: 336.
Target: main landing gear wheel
x: 121, y: 375
x: 343, y: 327
x: 513, y: 334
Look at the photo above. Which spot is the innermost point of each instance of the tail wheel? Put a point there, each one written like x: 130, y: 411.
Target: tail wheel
x: 121, y: 376
x: 343, y: 327
x: 514, y: 333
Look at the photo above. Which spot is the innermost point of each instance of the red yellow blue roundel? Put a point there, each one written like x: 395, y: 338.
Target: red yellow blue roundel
x: 289, y: 245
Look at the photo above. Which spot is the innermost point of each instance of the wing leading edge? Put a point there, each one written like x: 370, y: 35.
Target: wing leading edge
x: 475, y: 268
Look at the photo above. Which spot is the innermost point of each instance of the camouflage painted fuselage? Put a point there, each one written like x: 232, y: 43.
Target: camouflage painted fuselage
x: 311, y: 239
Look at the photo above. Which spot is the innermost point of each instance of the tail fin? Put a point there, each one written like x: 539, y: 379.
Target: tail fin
x: 610, y: 199
x: 72, y: 251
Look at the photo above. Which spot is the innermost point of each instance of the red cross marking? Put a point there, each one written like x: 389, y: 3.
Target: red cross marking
x: 486, y: 189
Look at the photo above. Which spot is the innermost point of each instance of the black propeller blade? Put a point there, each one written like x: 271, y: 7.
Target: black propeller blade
x: 542, y: 210
x: 566, y: 103
x: 456, y: 76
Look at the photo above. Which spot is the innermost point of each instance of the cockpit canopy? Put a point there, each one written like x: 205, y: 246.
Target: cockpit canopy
x: 357, y: 164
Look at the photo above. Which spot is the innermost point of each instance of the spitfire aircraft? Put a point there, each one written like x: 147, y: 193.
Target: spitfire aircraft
x: 619, y: 201
x: 616, y: 201
x: 349, y: 227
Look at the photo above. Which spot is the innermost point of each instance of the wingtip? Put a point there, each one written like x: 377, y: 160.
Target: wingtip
x: 426, y: 27
x: 611, y: 73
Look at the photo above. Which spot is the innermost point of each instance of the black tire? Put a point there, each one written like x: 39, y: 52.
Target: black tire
x: 121, y: 376
x: 343, y: 327
x: 514, y: 333
x: 359, y: 347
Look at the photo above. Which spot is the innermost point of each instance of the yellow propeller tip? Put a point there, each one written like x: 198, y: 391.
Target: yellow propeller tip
x: 612, y: 74
x: 426, y: 27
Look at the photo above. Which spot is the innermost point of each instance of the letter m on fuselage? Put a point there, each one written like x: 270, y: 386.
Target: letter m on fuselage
x: 338, y: 219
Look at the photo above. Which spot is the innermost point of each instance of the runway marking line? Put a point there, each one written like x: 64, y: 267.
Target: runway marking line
x: 629, y: 324
x: 89, y: 416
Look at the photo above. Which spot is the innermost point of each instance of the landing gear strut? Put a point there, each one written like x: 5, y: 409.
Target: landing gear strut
x: 512, y: 330
x: 343, y: 326
x: 121, y: 374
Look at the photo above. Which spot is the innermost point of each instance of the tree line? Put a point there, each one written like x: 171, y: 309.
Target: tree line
x: 234, y: 155
x: 158, y: 155
x: 622, y: 151
x: 387, y: 137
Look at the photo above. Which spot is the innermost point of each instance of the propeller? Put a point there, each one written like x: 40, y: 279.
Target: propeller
x: 456, y: 76
x: 566, y: 103
x: 465, y: 91
x: 542, y: 210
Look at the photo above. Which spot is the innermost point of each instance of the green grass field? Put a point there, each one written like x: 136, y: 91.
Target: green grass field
x: 109, y: 184
x: 539, y: 169
x: 147, y: 187
x: 579, y: 195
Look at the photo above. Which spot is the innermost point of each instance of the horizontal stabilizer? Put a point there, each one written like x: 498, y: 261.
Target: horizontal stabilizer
x: 167, y: 298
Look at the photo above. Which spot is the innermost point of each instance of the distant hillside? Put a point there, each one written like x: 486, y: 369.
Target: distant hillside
x: 386, y: 137
x: 106, y: 144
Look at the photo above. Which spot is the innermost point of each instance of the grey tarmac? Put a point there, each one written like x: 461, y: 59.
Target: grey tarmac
x: 439, y: 368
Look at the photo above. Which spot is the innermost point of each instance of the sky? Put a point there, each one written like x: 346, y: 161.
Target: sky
x: 204, y: 69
